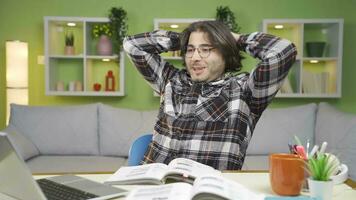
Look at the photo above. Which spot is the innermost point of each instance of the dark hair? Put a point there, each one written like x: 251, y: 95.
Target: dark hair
x: 220, y: 37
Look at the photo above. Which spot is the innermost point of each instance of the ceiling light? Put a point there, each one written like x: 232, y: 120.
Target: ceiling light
x: 314, y: 61
x: 71, y: 24
x: 174, y: 25
x: 278, y: 26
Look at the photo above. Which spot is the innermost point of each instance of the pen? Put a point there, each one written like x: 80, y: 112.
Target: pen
x: 291, y: 149
x: 307, y: 148
x: 323, y: 147
x: 313, y: 151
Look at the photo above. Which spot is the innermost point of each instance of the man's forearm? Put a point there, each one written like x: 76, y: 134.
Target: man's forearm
x: 262, y: 45
x: 154, y: 42
x: 277, y: 55
x: 144, y: 50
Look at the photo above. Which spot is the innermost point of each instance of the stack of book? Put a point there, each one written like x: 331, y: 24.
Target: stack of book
x: 316, y: 83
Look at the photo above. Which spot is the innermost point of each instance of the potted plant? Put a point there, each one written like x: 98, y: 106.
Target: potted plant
x: 321, y: 168
x: 119, y: 27
x: 225, y: 15
x: 103, y: 32
x: 69, y: 44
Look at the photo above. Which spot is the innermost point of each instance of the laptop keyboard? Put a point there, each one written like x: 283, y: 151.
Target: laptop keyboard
x: 56, y: 191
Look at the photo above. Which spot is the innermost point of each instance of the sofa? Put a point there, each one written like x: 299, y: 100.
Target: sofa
x: 97, y: 137
x: 76, y: 139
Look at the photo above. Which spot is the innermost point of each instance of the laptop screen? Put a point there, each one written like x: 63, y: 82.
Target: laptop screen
x: 16, y: 179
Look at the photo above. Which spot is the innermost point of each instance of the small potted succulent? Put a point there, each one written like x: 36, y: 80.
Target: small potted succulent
x: 320, y: 168
x: 69, y: 44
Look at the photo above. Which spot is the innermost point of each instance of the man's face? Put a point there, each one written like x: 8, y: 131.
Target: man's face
x: 207, y: 65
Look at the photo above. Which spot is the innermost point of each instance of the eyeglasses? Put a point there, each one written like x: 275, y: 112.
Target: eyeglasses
x: 203, y: 51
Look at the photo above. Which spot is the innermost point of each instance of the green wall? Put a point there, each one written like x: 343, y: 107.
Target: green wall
x: 23, y: 20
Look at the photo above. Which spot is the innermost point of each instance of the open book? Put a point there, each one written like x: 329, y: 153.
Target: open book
x: 208, y: 187
x: 179, y: 169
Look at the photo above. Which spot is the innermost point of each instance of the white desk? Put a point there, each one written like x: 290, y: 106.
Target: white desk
x: 257, y: 182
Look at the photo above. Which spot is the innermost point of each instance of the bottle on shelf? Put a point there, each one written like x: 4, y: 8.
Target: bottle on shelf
x: 109, y: 81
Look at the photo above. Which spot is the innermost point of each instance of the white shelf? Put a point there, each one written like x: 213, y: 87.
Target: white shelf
x: 85, y: 67
x: 171, y: 58
x: 82, y: 93
x: 103, y: 57
x: 66, y: 56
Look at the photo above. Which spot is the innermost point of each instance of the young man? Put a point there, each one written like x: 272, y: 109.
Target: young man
x: 207, y: 113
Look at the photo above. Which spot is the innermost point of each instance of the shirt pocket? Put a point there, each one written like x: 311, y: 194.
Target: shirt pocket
x: 213, y: 107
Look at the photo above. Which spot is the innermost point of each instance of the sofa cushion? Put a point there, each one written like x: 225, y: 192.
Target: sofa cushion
x: 117, y: 129
x: 339, y: 130
x: 58, y: 130
x: 148, y: 121
x: 22, y: 144
x: 75, y: 164
x: 277, y: 127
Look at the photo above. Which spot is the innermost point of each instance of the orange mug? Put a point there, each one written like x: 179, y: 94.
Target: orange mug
x: 286, y: 172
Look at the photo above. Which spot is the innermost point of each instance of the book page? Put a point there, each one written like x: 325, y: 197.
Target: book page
x: 150, y: 173
x: 172, y: 191
x: 190, y: 168
x: 221, y: 188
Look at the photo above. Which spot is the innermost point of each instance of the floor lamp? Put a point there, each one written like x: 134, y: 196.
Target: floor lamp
x: 16, y: 74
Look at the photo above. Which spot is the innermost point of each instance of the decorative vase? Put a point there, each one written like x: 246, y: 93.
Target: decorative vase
x: 315, y: 49
x: 69, y: 50
x: 104, y: 46
x: 110, y: 81
x: 321, y: 189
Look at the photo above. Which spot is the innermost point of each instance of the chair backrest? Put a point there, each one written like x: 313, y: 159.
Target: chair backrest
x: 138, y: 149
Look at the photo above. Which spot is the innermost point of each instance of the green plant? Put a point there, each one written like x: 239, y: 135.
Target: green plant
x: 102, y: 29
x: 225, y: 15
x: 322, y: 166
x: 69, y: 39
x: 118, y: 23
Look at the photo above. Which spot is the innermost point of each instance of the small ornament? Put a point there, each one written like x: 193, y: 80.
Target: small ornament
x: 97, y: 86
x: 60, y: 86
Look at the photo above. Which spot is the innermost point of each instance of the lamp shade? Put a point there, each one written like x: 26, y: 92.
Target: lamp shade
x: 16, y: 74
x: 16, y: 64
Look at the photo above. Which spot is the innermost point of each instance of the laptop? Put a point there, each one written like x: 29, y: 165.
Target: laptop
x: 16, y: 180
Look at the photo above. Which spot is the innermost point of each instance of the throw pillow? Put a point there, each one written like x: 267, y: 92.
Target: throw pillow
x: 277, y: 127
x: 118, y: 128
x: 22, y: 144
x: 59, y: 130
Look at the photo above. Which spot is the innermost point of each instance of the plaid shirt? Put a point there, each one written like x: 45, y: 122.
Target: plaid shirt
x: 211, y: 122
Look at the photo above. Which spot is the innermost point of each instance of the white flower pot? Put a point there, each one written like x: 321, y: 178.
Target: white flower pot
x: 321, y: 189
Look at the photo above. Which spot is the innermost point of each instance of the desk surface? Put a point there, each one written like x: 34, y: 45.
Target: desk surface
x: 257, y: 182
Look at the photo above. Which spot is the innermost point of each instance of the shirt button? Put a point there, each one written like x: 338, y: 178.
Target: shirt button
x: 178, y: 133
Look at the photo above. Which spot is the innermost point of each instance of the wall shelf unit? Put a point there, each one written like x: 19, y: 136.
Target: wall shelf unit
x: 318, y: 70
x: 76, y: 74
